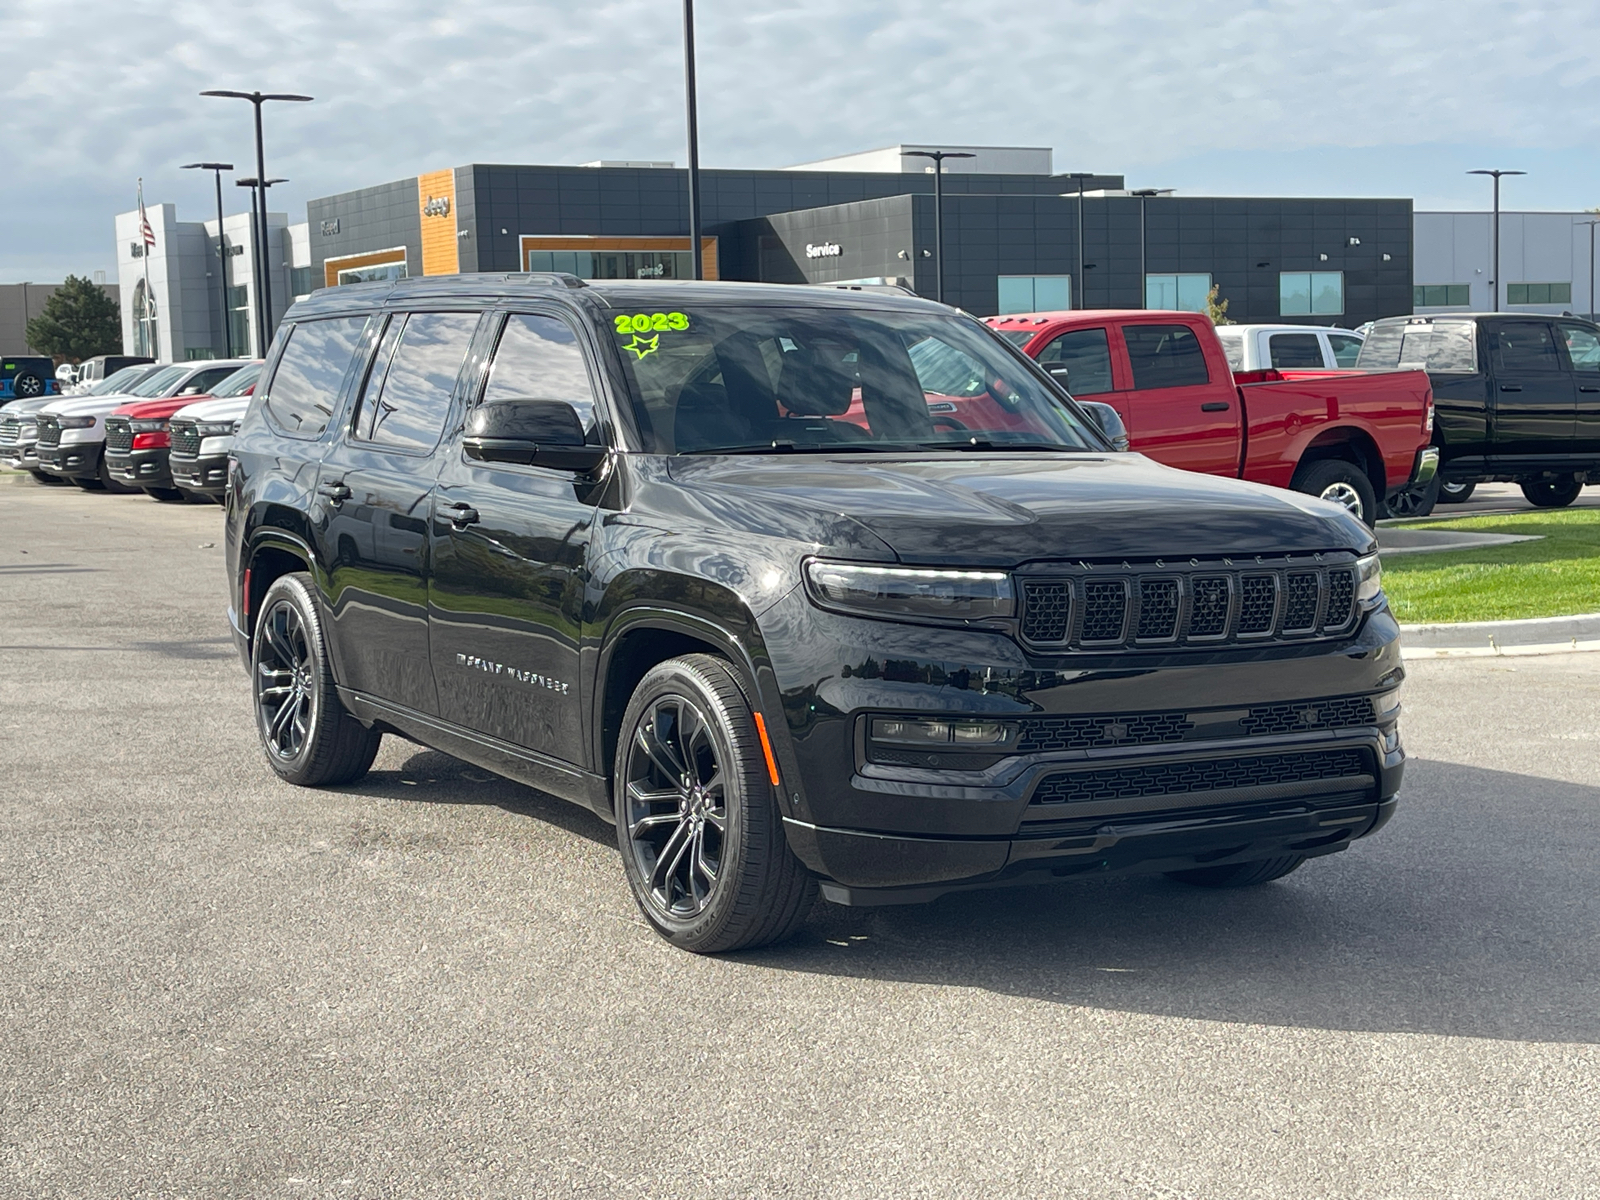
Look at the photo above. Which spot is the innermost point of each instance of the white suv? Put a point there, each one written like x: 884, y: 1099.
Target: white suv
x: 1302, y: 347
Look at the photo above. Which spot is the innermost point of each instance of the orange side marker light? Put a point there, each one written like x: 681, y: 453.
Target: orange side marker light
x: 766, y: 748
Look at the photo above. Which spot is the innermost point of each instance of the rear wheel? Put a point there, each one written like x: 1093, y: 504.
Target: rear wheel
x: 697, y: 821
x: 1341, y: 482
x: 1247, y: 874
x: 309, y: 737
x: 1456, y: 493
x: 1551, y: 493
x: 1415, y: 501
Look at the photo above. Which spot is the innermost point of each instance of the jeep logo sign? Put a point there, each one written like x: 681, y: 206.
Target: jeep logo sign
x: 825, y: 250
x: 437, y: 206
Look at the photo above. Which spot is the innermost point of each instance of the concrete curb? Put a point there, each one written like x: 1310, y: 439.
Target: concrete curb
x: 1486, y: 639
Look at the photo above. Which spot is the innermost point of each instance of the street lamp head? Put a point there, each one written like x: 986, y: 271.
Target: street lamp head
x: 1146, y: 192
x: 206, y: 167
x: 256, y: 97
x: 937, y: 155
x: 1497, y: 174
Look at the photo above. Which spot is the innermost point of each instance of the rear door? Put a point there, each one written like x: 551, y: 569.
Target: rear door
x: 507, y: 584
x: 1534, y: 402
x: 1181, y: 408
x: 373, y: 496
x: 1582, y: 343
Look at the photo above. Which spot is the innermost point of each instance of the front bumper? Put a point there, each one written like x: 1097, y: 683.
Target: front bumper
x: 206, y: 475
x: 72, y: 460
x: 20, y: 457
x: 141, y: 468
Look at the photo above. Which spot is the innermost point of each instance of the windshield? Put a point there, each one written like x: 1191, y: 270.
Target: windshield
x: 1233, y: 348
x: 1017, y: 337
x: 237, y: 384
x: 160, y: 383
x: 712, y: 379
x: 116, y: 381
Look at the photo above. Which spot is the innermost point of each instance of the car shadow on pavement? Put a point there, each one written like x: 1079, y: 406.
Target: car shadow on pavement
x: 1475, y: 913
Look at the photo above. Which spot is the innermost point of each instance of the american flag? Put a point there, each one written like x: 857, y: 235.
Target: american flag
x: 147, y: 233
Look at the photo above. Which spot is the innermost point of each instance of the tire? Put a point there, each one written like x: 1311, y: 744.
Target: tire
x: 1551, y: 493
x: 46, y: 478
x: 730, y: 880
x: 1456, y: 493
x: 26, y: 385
x: 310, y: 740
x: 1414, y: 501
x: 1342, y: 482
x: 103, y: 473
x: 88, y: 485
x: 165, y: 495
x: 1246, y: 874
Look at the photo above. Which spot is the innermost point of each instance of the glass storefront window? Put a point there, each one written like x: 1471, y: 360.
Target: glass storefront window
x: 1181, y: 293
x: 239, y: 319
x: 1441, y: 295
x: 377, y: 273
x: 613, y: 264
x: 1308, y: 293
x: 1538, y: 293
x: 1034, y: 293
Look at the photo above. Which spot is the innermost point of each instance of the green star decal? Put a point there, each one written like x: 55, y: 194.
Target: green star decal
x: 644, y: 345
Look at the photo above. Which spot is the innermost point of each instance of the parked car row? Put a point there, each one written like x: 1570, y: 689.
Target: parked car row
x: 119, y: 435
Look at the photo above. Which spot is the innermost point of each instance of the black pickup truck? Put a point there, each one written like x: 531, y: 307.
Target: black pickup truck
x: 1516, y: 397
x: 716, y: 561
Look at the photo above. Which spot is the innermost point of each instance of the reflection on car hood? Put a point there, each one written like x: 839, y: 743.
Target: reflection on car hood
x: 1010, y: 509
x: 229, y: 408
x: 89, y: 406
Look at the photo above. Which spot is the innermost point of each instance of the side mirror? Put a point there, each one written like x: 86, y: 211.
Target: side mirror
x: 1108, y: 421
x: 540, y: 433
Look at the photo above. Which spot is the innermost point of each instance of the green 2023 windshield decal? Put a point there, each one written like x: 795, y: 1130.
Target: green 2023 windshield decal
x: 637, y: 325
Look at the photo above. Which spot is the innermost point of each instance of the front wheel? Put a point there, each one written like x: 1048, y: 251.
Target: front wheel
x: 1551, y: 493
x: 697, y: 820
x: 309, y: 738
x: 1456, y: 493
x: 1343, y: 483
x: 1237, y: 875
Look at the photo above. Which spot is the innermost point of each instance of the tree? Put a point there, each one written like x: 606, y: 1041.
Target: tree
x: 1216, y: 309
x: 79, y: 321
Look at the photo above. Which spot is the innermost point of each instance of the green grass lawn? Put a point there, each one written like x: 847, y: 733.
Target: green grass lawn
x: 1554, y: 577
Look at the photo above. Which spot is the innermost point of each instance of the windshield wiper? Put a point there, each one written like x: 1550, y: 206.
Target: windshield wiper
x: 788, y: 447
x: 986, y: 445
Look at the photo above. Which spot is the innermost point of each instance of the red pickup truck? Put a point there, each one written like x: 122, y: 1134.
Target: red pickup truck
x: 1354, y: 437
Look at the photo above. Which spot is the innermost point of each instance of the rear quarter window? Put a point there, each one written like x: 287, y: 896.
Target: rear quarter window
x: 310, y: 374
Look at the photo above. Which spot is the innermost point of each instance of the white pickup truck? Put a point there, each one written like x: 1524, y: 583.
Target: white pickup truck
x: 1276, y: 347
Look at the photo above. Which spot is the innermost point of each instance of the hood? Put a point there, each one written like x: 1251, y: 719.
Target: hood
x: 146, y: 409
x: 229, y: 407
x: 88, y: 406
x: 1004, y: 510
x: 19, y: 408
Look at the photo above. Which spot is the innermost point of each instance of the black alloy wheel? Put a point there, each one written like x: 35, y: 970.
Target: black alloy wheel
x: 309, y: 738
x: 1552, y: 493
x: 697, y: 821
x: 1415, y: 501
x: 1456, y: 493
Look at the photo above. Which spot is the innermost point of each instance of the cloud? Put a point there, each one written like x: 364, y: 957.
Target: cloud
x: 101, y: 92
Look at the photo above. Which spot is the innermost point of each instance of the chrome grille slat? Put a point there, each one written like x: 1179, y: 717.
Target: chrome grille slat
x: 10, y: 429
x: 1092, y: 607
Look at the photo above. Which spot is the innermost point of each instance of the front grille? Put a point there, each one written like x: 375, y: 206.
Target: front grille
x: 1097, y: 608
x: 10, y: 427
x: 185, y: 439
x: 1169, y: 779
x: 49, y: 432
x: 119, y: 435
x: 1039, y: 735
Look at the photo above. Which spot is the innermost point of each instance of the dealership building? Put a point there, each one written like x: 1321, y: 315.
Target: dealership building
x: 1018, y: 236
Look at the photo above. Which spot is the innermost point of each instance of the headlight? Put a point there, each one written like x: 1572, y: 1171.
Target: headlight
x: 215, y: 428
x: 75, y: 422
x: 911, y: 591
x: 147, y: 425
x: 1369, y: 581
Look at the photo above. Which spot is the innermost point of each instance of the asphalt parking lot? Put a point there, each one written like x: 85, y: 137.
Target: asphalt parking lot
x: 434, y: 983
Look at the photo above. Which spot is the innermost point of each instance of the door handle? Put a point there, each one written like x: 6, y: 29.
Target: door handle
x: 1215, y: 406
x: 1510, y: 387
x: 335, y: 491
x: 1586, y: 388
x: 462, y: 515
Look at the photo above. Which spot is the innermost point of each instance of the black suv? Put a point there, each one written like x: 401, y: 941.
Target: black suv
x: 798, y: 587
x: 1516, y: 397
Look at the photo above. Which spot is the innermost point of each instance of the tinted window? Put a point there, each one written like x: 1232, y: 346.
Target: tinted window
x: 1525, y: 346
x: 201, y: 382
x: 1381, y: 350
x: 1086, y: 355
x: 1232, y: 349
x: 1583, y: 347
x: 1017, y: 337
x: 1165, y: 356
x: 1346, y: 349
x: 538, y: 358
x: 1295, y: 350
x: 420, y: 379
x: 305, y: 385
x: 159, y: 384
x: 1454, y: 347
x: 240, y: 382
x: 1446, y: 346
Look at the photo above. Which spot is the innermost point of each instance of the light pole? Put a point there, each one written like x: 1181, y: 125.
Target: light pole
x: 938, y: 157
x: 222, y: 247
x: 694, y: 139
x: 1591, y: 225
x: 258, y: 248
x: 1496, y: 280
x: 1080, y: 176
x: 1144, y: 194
x: 258, y: 99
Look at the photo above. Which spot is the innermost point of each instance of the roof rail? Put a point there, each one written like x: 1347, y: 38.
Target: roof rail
x: 547, y: 278
x: 890, y: 289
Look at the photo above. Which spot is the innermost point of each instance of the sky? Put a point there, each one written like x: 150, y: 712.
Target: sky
x: 1257, y: 97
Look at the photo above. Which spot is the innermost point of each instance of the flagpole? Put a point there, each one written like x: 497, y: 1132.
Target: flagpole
x: 145, y: 240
